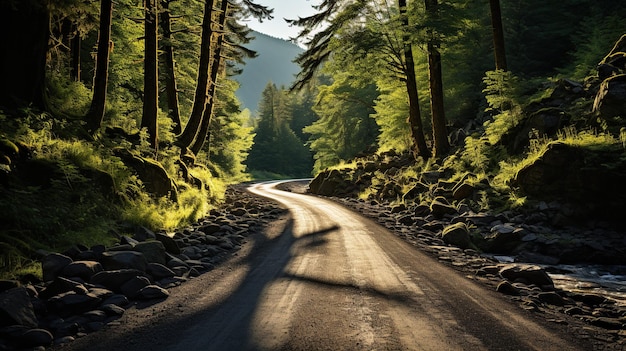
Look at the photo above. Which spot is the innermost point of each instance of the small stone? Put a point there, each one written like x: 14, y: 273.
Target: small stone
x: 52, y: 265
x: 505, y: 287
x: 36, y: 338
x: 153, y: 292
x: 112, y: 310
x: 64, y: 340
x: 551, y: 298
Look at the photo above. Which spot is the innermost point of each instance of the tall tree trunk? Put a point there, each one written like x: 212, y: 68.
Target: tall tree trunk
x: 98, y: 101
x: 415, y: 117
x: 498, y: 34
x: 435, y: 82
x: 171, y: 89
x: 203, y: 133
x: 75, y: 46
x: 202, y: 83
x: 151, y: 77
x: 25, y: 27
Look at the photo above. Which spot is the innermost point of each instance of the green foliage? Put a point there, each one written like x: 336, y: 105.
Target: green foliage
x: 344, y: 128
x: 277, y: 148
x: 596, y: 33
x: 503, y: 92
x: 391, y: 115
x: 230, y: 138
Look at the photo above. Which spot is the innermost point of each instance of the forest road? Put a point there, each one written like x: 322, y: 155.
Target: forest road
x: 330, y: 279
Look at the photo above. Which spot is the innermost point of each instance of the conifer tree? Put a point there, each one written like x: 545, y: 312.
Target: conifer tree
x: 98, y: 102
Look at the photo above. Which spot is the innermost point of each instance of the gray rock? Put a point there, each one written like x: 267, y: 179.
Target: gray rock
x: 61, y: 285
x: 158, y: 271
x: 505, y: 287
x: 169, y: 243
x: 132, y: 287
x: 607, y: 323
x: 95, y: 315
x: 113, y: 280
x: 115, y: 260
x: 153, y: 292
x: 117, y: 300
x: 103, y: 294
x: 64, y: 340
x: 71, y: 303
x: 153, y: 251
x: 35, y: 338
x: 462, y: 190
x: 503, y: 229
x: 458, y: 235
x: 440, y: 208
x: 16, y: 308
x: 143, y: 234
x: 210, y: 229
x: 52, y: 265
x: 82, y: 269
x: 551, y: 298
x: 112, y: 310
x: 528, y: 275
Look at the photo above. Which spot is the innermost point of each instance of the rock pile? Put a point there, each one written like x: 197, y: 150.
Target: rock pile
x: 83, y: 288
x: 456, y: 238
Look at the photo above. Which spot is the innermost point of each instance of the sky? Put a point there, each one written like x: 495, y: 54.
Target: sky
x: 291, y: 9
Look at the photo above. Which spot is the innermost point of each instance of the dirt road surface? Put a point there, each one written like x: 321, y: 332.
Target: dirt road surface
x: 326, y: 278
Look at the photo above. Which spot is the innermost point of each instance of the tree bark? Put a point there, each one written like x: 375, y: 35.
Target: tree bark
x: 201, y: 96
x: 203, y: 133
x: 498, y: 35
x: 151, y: 78
x: 171, y: 88
x: 98, y: 101
x: 75, y: 47
x: 25, y: 27
x: 415, y: 118
x: 435, y: 82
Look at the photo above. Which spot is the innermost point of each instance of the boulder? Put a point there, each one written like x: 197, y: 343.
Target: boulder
x: 169, y: 243
x: 534, y: 275
x: 505, y: 287
x: 82, y: 269
x: 113, y: 280
x: 158, y: 271
x: 331, y: 183
x: 8, y: 284
x: 463, y: 190
x: 152, y: 292
x: 153, y: 251
x: 71, y: 303
x: 458, y: 235
x: 52, y: 264
x: 112, y: 310
x: 61, y: 285
x: 115, y: 260
x: 152, y: 174
x: 132, y: 287
x: 34, y: 338
x: 591, y: 180
x: 16, y: 308
x: 143, y: 234
x: 610, y: 100
x: 439, y: 207
x: 415, y: 191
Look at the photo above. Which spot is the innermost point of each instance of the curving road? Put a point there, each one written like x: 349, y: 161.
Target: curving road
x: 333, y: 280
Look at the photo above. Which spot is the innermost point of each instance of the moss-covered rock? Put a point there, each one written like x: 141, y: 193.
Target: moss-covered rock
x: 592, y: 179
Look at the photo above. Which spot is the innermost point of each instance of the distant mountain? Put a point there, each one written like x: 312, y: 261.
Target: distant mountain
x: 274, y: 63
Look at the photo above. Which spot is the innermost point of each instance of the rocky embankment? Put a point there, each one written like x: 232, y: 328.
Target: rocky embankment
x: 449, y: 233
x: 84, y: 289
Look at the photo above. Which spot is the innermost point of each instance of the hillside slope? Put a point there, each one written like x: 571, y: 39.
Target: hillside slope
x: 274, y: 63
